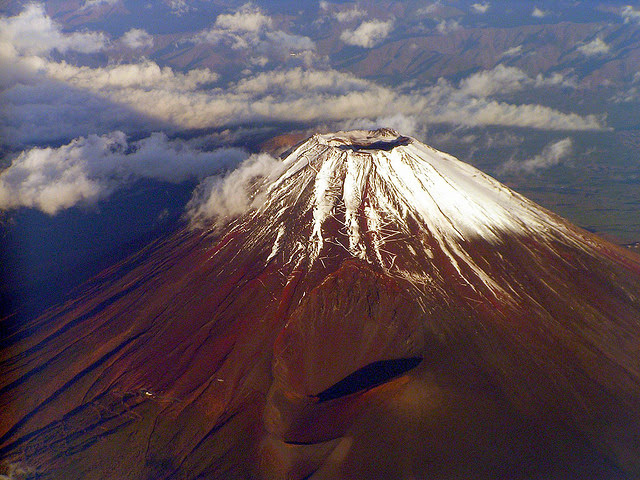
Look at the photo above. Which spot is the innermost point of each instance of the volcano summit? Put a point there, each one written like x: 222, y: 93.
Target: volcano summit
x: 384, y: 311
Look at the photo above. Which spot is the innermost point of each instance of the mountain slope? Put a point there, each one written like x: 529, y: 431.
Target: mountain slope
x: 385, y: 311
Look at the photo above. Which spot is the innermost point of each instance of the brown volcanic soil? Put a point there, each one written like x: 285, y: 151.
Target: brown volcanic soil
x: 201, y: 366
x: 207, y: 357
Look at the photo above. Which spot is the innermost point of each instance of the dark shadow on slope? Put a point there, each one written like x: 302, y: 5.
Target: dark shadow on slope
x: 370, y: 376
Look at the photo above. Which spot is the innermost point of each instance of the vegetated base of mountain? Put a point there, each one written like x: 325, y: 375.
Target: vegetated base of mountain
x: 384, y: 311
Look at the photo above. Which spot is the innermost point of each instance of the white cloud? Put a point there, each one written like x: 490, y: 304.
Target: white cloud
x: 250, y: 28
x: 630, y: 14
x: 248, y: 18
x: 178, y: 7
x: 89, y: 169
x: 513, y: 51
x: 137, y: 38
x: 46, y: 100
x: 96, y: 3
x: 627, y: 96
x: 219, y: 198
x: 553, y: 154
x: 507, y: 80
x: 349, y: 15
x: 33, y: 32
x: 289, y: 42
x: 188, y: 101
x: 538, y: 13
x: 471, y: 103
x: 368, y: 34
x: 501, y: 79
x: 448, y: 26
x: 480, y: 7
x: 595, y: 47
x: 430, y: 9
x: 145, y: 76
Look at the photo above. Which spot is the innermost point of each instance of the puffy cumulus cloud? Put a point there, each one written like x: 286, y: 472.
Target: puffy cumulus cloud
x: 220, y: 198
x: 480, y: 7
x: 250, y: 28
x: 506, y: 80
x: 627, y: 96
x: 137, y: 38
x: 430, y: 9
x: 595, y: 47
x: 178, y: 7
x: 552, y: 154
x: 501, y: 79
x: 368, y: 34
x: 349, y: 15
x: 248, y: 18
x: 538, y: 13
x: 341, y: 14
x: 288, y: 41
x: 448, y: 26
x: 630, y: 14
x: 33, y: 32
x: 88, y: 4
x: 89, y: 169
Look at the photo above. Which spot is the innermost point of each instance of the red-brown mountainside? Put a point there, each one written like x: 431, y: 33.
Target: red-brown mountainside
x: 385, y: 311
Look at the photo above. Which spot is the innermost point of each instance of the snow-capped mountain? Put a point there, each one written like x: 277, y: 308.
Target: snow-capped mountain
x: 384, y: 311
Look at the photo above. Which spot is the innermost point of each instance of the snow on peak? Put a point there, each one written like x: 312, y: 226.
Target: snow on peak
x: 379, y: 186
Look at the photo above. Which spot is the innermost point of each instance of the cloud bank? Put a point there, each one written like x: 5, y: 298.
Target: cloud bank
x: 505, y: 80
x: 553, y: 154
x: 90, y: 169
x: 49, y: 100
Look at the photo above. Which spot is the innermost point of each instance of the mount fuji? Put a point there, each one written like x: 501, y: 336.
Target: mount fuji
x: 383, y: 311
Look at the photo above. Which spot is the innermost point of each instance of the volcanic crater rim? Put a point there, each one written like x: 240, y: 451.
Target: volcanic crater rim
x: 384, y: 139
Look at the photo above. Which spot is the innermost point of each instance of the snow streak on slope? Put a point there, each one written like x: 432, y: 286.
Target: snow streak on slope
x: 380, y: 195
